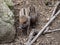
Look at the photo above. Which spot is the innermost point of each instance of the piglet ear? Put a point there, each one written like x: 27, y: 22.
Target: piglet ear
x: 32, y: 8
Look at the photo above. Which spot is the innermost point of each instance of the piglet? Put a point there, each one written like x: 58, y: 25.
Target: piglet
x: 33, y: 16
x: 24, y: 20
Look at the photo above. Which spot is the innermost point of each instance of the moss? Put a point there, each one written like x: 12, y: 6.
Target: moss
x: 11, y: 7
x: 9, y: 2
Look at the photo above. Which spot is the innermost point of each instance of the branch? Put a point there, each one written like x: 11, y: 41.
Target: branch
x: 54, y: 11
x: 56, y: 5
x: 47, y: 30
x: 51, y: 31
x: 30, y: 37
x: 43, y: 29
x: 35, y: 30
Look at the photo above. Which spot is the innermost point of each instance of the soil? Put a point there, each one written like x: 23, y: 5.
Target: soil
x: 44, y: 9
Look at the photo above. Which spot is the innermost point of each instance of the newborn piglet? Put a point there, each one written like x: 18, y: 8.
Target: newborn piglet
x: 33, y: 16
x: 24, y: 20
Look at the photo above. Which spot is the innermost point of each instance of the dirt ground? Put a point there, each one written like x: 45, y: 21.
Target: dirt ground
x: 44, y: 9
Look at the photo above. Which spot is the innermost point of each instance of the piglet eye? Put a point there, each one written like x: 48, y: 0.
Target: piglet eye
x: 24, y: 22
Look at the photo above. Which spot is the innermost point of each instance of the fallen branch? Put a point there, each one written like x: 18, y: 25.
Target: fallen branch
x: 35, y: 30
x: 54, y: 11
x: 43, y: 29
x: 30, y: 37
x: 52, y: 31
x: 49, y: 31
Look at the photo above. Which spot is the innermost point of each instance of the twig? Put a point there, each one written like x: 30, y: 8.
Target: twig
x: 54, y: 11
x: 52, y: 31
x: 49, y: 31
x: 30, y: 37
x: 35, y: 30
x: 43, y: 29
x: 46, y: 30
